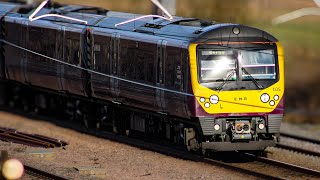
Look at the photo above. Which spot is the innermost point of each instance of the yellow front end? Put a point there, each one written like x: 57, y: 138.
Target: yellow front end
x: 237, y: 101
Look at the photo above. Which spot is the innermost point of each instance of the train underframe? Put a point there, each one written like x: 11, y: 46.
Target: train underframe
x: 103, y: 115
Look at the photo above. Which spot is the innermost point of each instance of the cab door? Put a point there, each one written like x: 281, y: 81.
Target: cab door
x: 60, y: 44
x: 24, y: 59
x: 160, y: 61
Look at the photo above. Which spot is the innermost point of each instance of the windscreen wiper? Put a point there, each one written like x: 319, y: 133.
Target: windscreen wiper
x: 252, y: 78
x: 228, y: 76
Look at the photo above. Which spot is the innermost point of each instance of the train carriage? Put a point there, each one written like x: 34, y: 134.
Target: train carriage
x: 208, y: 85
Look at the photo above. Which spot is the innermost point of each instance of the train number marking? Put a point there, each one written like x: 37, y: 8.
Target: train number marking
x: 276, y: 89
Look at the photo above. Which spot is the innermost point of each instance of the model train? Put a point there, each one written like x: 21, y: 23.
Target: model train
x: 210, y: 86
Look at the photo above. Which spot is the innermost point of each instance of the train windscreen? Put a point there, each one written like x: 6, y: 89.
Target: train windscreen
x: 260, y: 64
x: 236, y: 65
x: 217, y: 65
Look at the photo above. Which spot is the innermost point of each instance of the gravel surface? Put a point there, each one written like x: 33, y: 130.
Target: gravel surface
x: 305, y: 130
x: 300, y: 144
x: 107, y: 159
x: 299, y: 159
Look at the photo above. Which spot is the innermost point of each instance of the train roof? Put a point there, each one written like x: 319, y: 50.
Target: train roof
x: 190, y: 29
x: 7, y: 7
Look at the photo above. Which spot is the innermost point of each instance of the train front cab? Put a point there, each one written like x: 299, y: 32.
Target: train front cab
x: 238, y: 88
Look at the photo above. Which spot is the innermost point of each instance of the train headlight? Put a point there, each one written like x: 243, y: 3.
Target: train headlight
x: 207, y: 105
x: 216, y: 127
x: 261, y: 126
x: 265, y: 98
x: 214, y: 99
x: 236, y: 30
x: 272, y: 103
x: 276, y: 97
x: 202, y: 99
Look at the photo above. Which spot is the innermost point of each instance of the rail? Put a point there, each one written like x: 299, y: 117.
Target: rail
x: 285, y: 165
x: 35, y: 140
x: 41, y: 174
x: 301, y: 138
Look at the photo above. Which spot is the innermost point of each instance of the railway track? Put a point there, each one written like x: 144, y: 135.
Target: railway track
x: 286, y: 170
x: 299, y: 149
x: 41, y: 174
x: 253, y: 165
x: 301, y: 138
x: 35, y: 140
x: 292, y: 167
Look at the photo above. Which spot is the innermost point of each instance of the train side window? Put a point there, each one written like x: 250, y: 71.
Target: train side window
x: 131, y: 59
x: 68, y: 50
x: 106, y: 62
x: 35, y: 36
x: 170, y: 71
x: 149, y: 67
x: 97, y: 52
x: 75, y: 52
x: 173, y: 69
x: 124, y: 59
x: 131, y: 70
x: 44, y: 49
x: 101, y: 54
x: 140, y: 66
x: 50, y: 47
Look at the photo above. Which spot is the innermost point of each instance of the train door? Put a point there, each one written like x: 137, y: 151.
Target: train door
x: 184, y: 75
x: 115, y: 57
x: 160, y: 61
x: 102, y: 64
x: 71, y: 73
x: 174, y: 99
x: 60, y: 44
x: 24, y: 59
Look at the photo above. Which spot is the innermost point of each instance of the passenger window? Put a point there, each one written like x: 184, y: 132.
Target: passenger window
x: 169, y: 71
x: 124, y: 59
x: 131, y: 72
x: 73, y: 52
x: 149, y: 68
x: 140, y: 66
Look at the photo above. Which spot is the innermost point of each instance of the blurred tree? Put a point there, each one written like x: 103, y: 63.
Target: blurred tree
x: 223, y: 11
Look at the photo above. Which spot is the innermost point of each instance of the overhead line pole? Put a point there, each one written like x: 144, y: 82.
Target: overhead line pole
x: 170, y: 5
x: 298, y: 13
